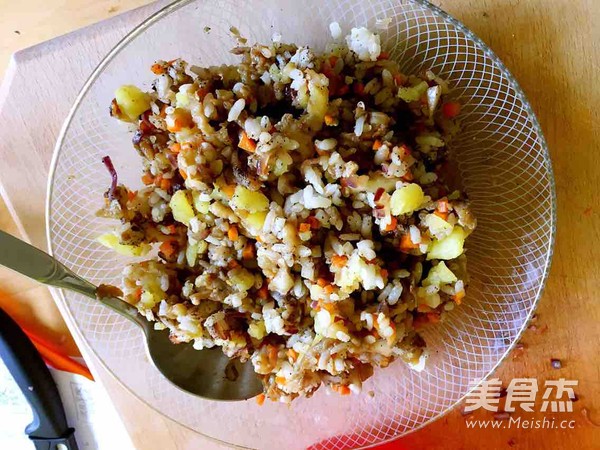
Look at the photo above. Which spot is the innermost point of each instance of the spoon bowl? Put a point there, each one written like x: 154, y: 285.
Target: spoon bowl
x: 206, y: 373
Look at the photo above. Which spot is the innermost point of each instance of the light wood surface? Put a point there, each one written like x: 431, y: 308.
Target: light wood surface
x: 552, y: 47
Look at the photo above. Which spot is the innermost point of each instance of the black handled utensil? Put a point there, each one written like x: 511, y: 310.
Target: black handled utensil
x: 49, y: 429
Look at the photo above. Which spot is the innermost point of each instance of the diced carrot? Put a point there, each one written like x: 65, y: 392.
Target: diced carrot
x: 176, y: 126
x: 201, y: 93
x: 450, y: 109
x: 183, y: 174
x: 157, y: 69
x: 443, y: 215
x: 175, y: 147
x: 131, y: 195
x: 326, y: 305
x: 329, y: 120
x: 165, y: 184
x: 458, y: 297
x: 339, y: 260
x: 229, y: 190
x: 322, y: 282
x: 246, y: 143
x: 263, y: 292
x: 260, y: 399
x: 167, y: 248
x: 384, y: 273
x: 344, y: 390
x: 392, y: 225
x: 147, y: 179
x: 358, y: 88
x: 329, y: 289
x: 292, y: 354
x: 406, y: 243
x: 378, y: 193
x: 172, y: 229
x: 280, y: 380
x: 304, y: 227
x: 332, y: 60
x: 377, y: 144
x: 314, y: 223
x: 233, y: 264
x: 233, y: 233
x: 383, y: 55
x: 248, y: 252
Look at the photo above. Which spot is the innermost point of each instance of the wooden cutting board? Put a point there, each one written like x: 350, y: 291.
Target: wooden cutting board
x: 550, y: 48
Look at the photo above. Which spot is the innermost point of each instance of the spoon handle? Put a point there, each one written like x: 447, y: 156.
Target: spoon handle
x: 33, y: 263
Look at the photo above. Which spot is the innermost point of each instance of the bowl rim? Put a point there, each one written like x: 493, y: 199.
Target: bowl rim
x: 437, y: 11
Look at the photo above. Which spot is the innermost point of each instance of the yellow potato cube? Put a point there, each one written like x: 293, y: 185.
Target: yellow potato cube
x: 201, y: 206
x: 251, y: 201
x: 132, y: 101
x: 449, y: 247
x: 254, y: 222
x: 439, y: 274
x: 112, y: 241
x: 407, y: 199
x: 181, y: 207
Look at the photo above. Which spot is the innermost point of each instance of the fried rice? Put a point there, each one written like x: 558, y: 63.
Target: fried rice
x: 299, y: 205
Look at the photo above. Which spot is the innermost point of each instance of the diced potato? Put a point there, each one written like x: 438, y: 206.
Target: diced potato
x: 201, y: 206
x: 112, y: 241
x: 132, y: 101
x: 191, y: 253
x: 257, y: 330
x: 181, y: 207
x: 438, y: 275
x: 241, y: 279
x: 251, y: 201
x: 433, y: 300
x: 437, y: 226
x: 406, y: 199
x: 449, y: 247
x: 413, y: 93
x: 254, y: 222
x: 147, y: 300
x: 318, y: 99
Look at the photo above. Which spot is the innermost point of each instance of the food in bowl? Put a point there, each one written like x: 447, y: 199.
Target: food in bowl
x: 300, y: 207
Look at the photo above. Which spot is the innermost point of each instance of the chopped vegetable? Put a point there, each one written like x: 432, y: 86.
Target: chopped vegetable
x: 181, y: 207
x: 451, y: 109
x: 112, y: 241
x: 132, y: 102
x: 407, y: 199
x: 247, y: 200
x: 246, y: 143
x: 449, y: 247
x: 438, y: 275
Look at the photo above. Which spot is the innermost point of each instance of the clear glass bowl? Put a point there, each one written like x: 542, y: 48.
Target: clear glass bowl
x: 502, y: 158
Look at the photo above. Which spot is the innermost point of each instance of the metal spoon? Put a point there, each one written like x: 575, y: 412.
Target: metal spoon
x: 207, y: 373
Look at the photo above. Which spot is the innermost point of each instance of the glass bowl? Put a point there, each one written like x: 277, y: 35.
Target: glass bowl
x: 501, y: 156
